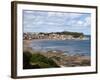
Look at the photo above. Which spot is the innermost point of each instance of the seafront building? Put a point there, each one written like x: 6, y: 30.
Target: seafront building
x: 51, y: 36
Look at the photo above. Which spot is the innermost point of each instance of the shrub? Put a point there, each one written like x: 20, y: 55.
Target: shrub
x: 26, y: 59
x: 43, y: 61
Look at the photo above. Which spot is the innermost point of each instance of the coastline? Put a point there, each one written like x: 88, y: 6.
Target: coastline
x: 26, y: 46
x: 64, y: 35
x: 59, y: 57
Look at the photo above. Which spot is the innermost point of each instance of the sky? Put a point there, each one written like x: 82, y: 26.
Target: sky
x: 53, y: 21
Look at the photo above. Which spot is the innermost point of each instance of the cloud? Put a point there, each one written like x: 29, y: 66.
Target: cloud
x: 75, y: 15
x: 55, y: 14
x: 38, y: 21
x: 79, y: 22
x: 87, y: 21
x: 28, y: 11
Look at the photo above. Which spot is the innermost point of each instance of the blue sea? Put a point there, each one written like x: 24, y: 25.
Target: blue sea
x: 70, y: 47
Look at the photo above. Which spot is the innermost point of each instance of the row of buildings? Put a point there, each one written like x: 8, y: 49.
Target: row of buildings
x: 53, y: 36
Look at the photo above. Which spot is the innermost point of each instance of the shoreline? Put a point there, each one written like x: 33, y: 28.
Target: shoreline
x: 55, y: 39
x: 59, y: 57
x: 63, y: 60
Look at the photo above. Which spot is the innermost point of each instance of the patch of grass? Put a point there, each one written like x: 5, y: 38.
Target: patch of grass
x: 57, y: 58
x: 43, y: 61
x: 37, y: 60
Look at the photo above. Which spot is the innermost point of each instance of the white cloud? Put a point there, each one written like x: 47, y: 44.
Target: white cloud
x: 29, y: 11
x: 80, y: 22
x: 87, y: 21
x: 75, y: 15
x: 51, y: 13
x: 55, y: 14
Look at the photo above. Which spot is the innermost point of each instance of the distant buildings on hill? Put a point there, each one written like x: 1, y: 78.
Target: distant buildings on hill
x: 54, y: 36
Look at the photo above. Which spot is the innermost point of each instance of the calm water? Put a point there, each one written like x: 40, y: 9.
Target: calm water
x: 67, y: 46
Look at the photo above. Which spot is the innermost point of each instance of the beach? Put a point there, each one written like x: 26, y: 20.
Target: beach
x: 58, y: 56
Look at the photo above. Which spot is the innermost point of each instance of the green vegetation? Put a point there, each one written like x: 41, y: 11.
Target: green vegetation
x: 37, y: 60
x: 74, y: 34
x: 43, y: 61
x: 26, y: 60
x: 57, y: 58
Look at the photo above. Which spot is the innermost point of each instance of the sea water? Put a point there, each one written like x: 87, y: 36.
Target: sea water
x: 70, y: 47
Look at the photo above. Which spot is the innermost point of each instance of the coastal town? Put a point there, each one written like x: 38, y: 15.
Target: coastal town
x: 54, y: 36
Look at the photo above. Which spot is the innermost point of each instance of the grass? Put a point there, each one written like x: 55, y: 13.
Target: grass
x: 37, y: 60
